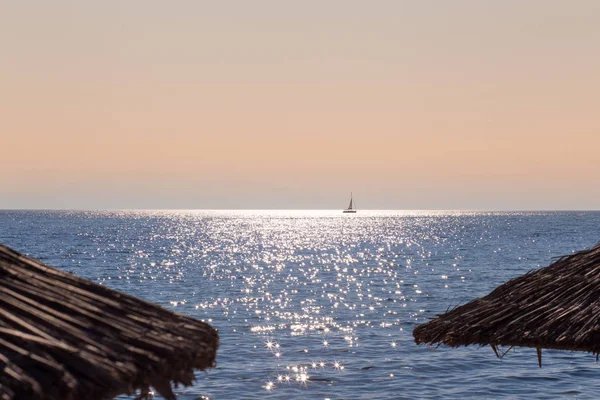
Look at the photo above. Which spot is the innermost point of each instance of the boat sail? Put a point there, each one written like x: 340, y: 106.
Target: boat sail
x: 350, y: 208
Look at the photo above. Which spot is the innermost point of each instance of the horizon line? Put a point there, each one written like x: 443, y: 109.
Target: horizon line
x: 307, y: 209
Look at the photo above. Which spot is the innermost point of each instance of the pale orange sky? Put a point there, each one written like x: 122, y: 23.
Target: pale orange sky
x: 275, y: 104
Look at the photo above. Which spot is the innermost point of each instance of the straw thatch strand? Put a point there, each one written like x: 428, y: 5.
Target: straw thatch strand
x: 64, y: 337
x: 556, y: 307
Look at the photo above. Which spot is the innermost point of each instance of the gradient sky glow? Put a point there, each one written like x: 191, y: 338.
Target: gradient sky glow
x: 279, y: 104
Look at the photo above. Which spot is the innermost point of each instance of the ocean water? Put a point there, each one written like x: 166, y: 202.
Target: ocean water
x: 320, y: 305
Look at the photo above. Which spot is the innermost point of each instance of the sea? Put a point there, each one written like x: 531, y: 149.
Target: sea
x: 320, y: 304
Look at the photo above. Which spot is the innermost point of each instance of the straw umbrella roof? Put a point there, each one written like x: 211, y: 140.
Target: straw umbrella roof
x: 64, y: 337
x: 556, y: 307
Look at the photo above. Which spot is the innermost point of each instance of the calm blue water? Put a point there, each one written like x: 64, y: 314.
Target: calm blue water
x: 322, y: 305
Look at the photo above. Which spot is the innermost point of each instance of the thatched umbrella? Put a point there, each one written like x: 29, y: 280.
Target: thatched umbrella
x: 64, y: 337
x: 556, y: 307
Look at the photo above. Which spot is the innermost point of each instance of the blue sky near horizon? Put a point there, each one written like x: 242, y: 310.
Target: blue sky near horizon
x: 279, y: 105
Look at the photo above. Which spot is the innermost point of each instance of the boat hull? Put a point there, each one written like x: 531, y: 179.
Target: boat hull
x: 349, y: 211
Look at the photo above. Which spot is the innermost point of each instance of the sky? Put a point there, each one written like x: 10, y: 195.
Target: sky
x: 475, y: 105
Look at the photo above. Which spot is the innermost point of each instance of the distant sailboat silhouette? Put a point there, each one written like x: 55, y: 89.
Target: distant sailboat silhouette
x: 350, y: 208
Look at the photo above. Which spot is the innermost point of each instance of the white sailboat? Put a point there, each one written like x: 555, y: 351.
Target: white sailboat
x: 350, y: 208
